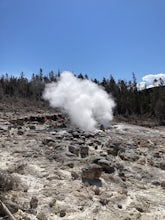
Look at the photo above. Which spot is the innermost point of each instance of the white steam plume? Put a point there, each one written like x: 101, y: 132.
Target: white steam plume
x: 84, y: 101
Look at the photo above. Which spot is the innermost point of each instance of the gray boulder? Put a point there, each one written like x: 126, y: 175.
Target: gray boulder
x: 91, y: 172
x: 74, y: 150
x: 6, y: 181
x: 84, y: 151
x: 106, y: 165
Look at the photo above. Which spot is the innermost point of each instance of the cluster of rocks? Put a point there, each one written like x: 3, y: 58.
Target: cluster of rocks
x: 51, y: 170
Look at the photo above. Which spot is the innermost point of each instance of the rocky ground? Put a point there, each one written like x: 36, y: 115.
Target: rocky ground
x: 50, y: 170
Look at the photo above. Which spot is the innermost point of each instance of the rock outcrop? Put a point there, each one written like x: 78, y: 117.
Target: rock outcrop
x: 51, y: 170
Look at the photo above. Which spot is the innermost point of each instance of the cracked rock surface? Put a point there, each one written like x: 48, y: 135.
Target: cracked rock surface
x: 50, y: 170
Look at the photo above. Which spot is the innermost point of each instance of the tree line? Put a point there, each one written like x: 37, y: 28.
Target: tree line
x: 130, y: 102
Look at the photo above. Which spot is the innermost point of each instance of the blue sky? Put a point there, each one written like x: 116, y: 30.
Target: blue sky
x: 93, y: 37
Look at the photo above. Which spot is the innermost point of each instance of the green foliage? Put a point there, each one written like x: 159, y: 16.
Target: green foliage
x: 129, y: 101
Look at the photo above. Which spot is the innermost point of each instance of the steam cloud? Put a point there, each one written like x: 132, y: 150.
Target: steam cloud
x: 86, y: 103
